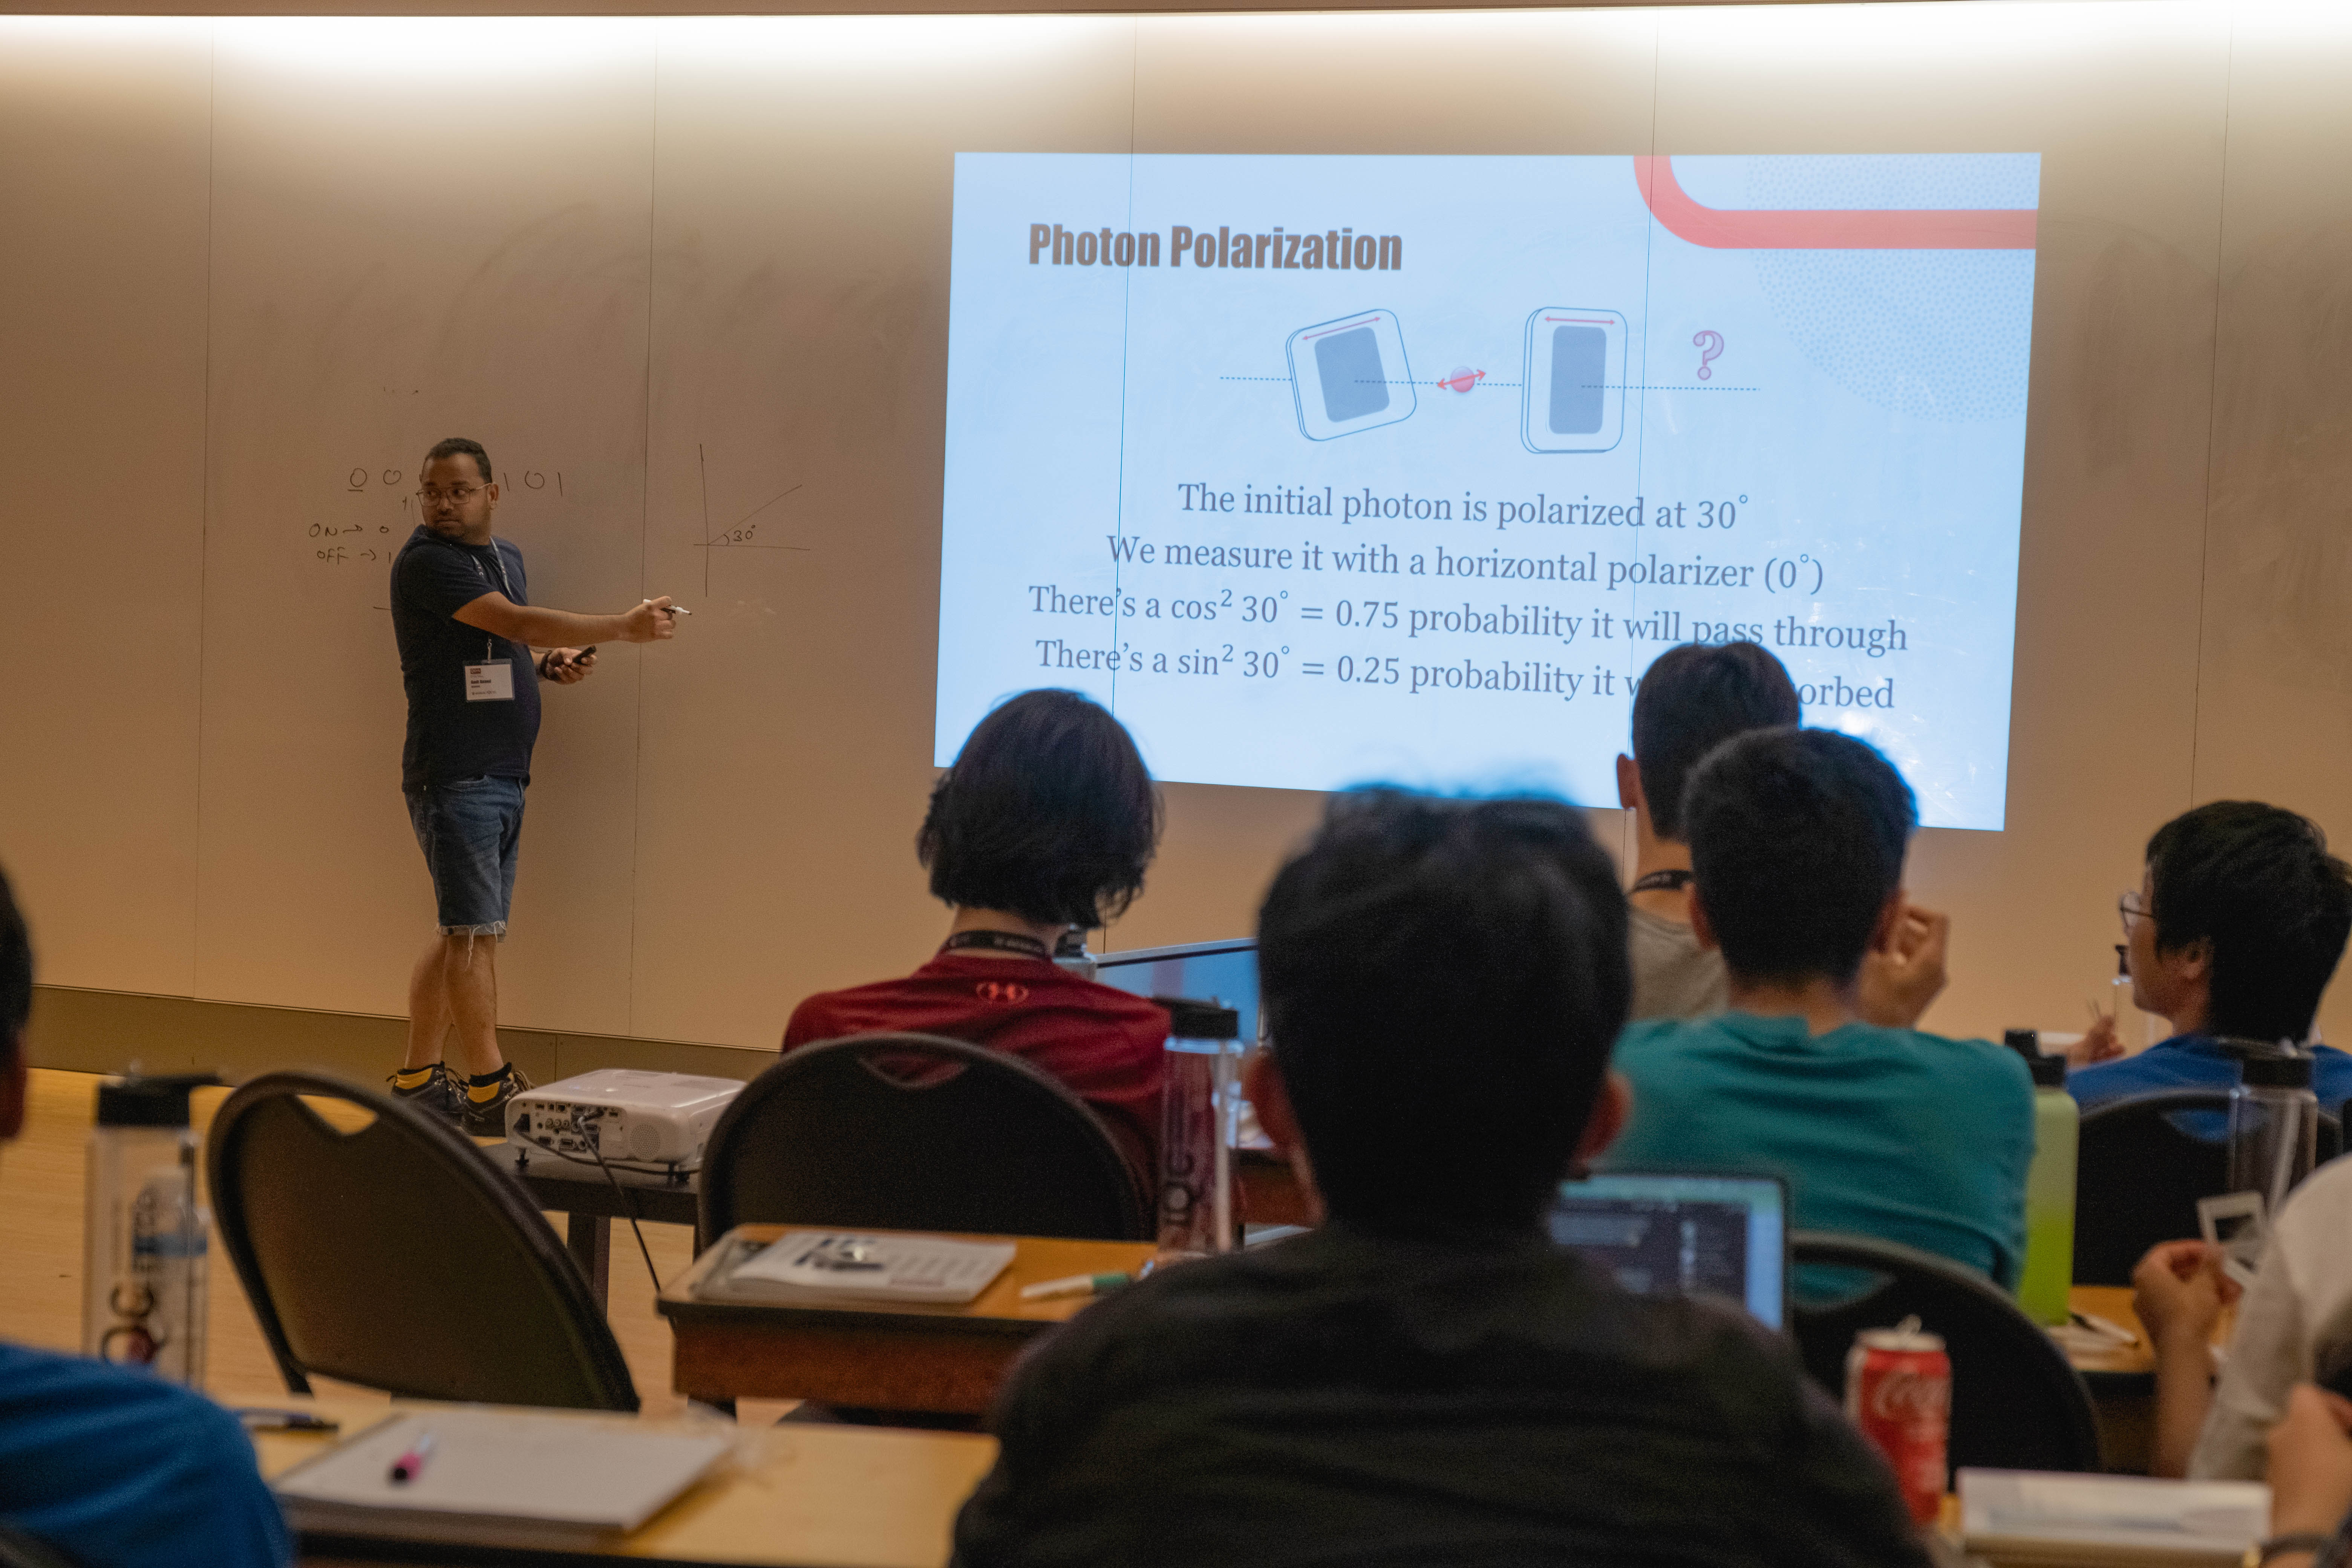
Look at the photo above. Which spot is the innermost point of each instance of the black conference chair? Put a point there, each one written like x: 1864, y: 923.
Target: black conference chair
x: 18, y: 1550
x: 2016, y: 1402
x: 916, y: 1133
x: 398, y: 1256
x: 2141, y: 1169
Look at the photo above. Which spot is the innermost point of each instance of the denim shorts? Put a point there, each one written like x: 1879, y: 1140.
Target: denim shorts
x: 470, y: 831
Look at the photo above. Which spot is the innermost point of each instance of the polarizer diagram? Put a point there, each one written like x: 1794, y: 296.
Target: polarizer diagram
x: 1352, y: 375
x: 1572, y: 395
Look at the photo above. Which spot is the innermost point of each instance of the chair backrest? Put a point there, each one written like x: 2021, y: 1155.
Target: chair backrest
x: 398, y: 1256
x: 2142, y: 1163
x: 2138, y: 1173
x: 916, y: 1133
x: 2016, y: 1402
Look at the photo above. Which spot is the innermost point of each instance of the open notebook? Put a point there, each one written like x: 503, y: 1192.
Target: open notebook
x: 811, y: 1268
x: 499, y: 1478
x: 2029, y: 1519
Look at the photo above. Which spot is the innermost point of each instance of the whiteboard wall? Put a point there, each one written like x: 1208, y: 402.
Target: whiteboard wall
x: 687, y: 280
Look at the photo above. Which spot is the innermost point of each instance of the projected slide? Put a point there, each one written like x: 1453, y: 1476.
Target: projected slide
x: 1322, y: 470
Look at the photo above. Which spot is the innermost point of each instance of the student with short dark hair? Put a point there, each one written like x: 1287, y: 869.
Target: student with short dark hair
x: 2235, y: 931
x: 1426, y: 1379
x: 111, y: 1465
x: 1798, y: 839
x: 1045, y: 825
x: 1692, y: 698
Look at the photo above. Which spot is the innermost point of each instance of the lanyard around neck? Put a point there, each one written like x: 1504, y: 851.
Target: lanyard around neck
x: 490, y: 644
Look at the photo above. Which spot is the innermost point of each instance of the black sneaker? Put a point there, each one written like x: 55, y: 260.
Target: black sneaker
x: 444, y: 1093
x: 487, y: 1118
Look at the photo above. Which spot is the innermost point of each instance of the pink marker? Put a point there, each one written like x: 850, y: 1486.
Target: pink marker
x: 411, y: 1465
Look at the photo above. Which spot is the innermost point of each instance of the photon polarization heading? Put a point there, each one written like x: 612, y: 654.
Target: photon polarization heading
x: 1341, y: 249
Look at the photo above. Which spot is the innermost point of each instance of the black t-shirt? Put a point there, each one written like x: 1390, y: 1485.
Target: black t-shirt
x: 1344, y: 1398
x: 448, y: 737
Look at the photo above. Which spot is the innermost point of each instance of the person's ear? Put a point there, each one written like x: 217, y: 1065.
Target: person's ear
x: 12, y: 1090
x: 1262, y: 1081
x: 1611, y: 1108
x: 1629, y: 783
x: 1702, y: 928
x: 2194, y: 961
x: 1890, y: 921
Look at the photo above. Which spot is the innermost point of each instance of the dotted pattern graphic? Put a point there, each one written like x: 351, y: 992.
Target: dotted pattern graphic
x: 1937, y: 335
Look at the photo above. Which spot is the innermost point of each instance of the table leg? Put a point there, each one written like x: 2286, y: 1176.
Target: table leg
x: 589, y: 1236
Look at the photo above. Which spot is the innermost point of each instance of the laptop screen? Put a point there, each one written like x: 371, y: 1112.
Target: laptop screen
x: 1686, y: 1233
x: 1222, y: 972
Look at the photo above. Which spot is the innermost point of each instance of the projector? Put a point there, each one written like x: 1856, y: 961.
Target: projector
x: 630, y: 1117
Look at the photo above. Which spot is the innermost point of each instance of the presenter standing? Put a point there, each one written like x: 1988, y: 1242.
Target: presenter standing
x: 465, y: 627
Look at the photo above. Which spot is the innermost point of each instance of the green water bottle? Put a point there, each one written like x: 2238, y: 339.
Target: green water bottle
x: 2049, y: 1273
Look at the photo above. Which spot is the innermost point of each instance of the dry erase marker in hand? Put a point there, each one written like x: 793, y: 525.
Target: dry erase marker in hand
x: 411, y: 1465
x: 1076, y: 1285
x: 673, y: 609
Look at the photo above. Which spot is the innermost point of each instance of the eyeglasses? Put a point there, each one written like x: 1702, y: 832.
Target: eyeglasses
x: 457, y: 495
x: 2132, y: 907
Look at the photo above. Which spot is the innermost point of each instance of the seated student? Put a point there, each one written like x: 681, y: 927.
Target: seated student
x: 1692, y: 699
x: 2298, y: 1313
x: 1045, y: 825
x: 2235, y: 930
x: 1426, y: 1379
x: 112, y: 1466
x: 1796, y: 840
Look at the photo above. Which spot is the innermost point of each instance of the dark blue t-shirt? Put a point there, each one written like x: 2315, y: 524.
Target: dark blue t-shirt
x: 449, y: 738
x: 119, y: 1468
x: 2199, y: 1061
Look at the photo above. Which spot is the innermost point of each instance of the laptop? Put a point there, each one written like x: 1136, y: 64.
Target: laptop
x: 1698, y: 1233
x: 1224, y: 970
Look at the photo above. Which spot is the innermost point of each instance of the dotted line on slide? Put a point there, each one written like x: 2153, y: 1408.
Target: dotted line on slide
x: 1629, y: 386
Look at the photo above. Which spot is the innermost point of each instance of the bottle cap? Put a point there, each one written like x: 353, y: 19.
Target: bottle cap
x: 2049, y: 1072
x: 160, y: 1101
x: 1191, y: 1020
x: 2026, y: 1043
x: 2277, y: 1072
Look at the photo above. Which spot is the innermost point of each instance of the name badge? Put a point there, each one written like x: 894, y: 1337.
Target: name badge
x: 489, y: 682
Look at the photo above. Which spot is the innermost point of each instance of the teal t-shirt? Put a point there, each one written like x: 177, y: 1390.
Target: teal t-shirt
x: 1890, y: 1132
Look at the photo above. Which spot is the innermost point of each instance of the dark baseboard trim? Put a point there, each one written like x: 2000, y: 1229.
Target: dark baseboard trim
x: 106, y: 1031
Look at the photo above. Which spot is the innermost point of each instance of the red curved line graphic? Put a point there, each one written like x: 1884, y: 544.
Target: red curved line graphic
x: 1720, y: 229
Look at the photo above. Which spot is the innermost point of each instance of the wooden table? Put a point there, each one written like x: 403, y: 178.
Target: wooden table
x: 2122, y: 1378
x: 876, y: 1354
x: 844, y: 1496
x: 2123, y: 1368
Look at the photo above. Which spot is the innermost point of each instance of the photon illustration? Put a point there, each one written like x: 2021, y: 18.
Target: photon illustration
x: 1350, y: 374
x: 1572, y: 396
x: 1461, y: 378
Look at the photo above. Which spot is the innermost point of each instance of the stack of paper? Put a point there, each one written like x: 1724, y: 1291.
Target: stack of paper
x: 2032, y: 1519
x: 831, y: 1265
x: 499, y: 1477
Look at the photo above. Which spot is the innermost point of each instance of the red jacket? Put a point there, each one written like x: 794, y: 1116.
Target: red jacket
x: 1106, y: 1046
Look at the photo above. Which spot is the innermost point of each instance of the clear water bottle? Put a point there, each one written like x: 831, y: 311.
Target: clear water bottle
x: 2273, y: 1126
x: 1200, y: 1100
x: 144, y: 1235
x: 2048, y: 1274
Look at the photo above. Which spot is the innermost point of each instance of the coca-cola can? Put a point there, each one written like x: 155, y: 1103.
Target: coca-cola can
x: 1898, y: 1390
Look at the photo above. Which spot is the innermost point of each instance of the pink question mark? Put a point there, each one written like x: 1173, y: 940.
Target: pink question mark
x: 1710, y: 344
